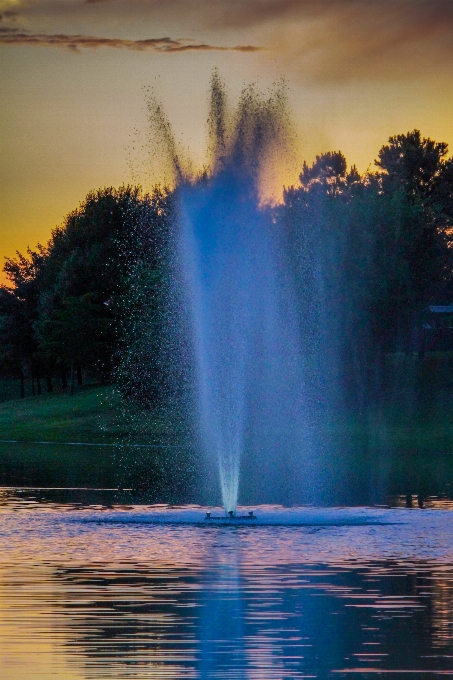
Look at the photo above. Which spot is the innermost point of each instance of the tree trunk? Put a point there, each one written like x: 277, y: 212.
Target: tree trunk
x: 38, y: 382
x: 49, y: 383
x: 22, y: 385
x: 64, y: 380
x: 72, y: 378
x: 33, y: 384
x: 79, y: 375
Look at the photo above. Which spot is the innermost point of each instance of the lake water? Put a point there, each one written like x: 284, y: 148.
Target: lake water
x: 93, y: 589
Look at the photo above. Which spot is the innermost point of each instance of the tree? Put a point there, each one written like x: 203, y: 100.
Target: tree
x: 328, y: 170
x: 84, y: 275
x: 18, y: 314
x: 414, y: 181
x: 14, y: 339
x: 75, y: 333
x: 151, y: 370
x: 328, y: 226
x: 411, y: 163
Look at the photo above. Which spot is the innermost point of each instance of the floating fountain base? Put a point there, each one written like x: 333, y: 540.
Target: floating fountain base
x: 231, y: 518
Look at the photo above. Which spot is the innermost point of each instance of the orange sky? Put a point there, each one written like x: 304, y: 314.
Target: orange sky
x: 73, y: 73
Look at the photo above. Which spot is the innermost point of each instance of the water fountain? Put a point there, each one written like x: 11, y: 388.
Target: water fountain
x: 249, y: 371
x: 274, y: 306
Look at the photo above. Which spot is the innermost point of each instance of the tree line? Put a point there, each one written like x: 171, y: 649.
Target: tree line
x: 63, y: 308
x: 369, y: 253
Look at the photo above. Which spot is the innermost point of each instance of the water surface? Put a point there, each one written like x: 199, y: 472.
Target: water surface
x: 87, y: 593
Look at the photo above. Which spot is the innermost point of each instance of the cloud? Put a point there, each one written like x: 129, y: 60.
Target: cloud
x: 8, y: 14
x: 425, y: 14
x: 340, y: 40
x: 12, y: 36
x: 319, y: 39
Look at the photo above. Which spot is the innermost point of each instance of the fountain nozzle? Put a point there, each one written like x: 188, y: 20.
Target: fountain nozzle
x: 231, y: 513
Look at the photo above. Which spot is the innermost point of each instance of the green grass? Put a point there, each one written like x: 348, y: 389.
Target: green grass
x: 90, y: 415
x: 93, y: 415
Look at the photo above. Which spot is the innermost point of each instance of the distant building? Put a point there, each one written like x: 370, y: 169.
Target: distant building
x: 445, y: 310
x: 436, y: 334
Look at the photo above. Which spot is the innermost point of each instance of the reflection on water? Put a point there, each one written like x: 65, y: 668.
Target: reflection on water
x: 84, y: 600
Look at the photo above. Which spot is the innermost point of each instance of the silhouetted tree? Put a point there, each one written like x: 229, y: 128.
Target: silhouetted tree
x: 151, y: 371
x: 413, y: 230
x: 412, y: 164
x: 370, y: 254
x: 84, y: 272
x: 20, y: 351
x: 328, y: 170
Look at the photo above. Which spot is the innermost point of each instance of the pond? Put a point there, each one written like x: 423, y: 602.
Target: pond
x: 93, y: 588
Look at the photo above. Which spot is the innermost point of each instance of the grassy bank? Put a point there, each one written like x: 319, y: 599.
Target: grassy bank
x: 402, y: 445
x: 92, y: 414
x: 89, y: 439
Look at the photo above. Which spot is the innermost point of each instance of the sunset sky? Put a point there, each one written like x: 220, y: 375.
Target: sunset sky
x: 73, y: 74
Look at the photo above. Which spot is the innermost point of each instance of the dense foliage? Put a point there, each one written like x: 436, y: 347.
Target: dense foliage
x: 66, y: 305
x: 373, y: 251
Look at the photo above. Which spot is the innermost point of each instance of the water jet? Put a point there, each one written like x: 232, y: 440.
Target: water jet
x: 251, y: 404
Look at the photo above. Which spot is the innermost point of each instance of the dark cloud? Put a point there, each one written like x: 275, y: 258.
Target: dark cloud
x: 8, y: 14
x: 425, y: 14
x: 344, y: 39
x: 12, y: 36
x: 320, y: 39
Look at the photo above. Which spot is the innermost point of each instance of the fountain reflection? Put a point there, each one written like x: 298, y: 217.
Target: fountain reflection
x: 222, y: 653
